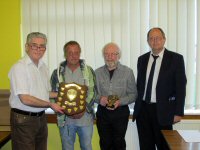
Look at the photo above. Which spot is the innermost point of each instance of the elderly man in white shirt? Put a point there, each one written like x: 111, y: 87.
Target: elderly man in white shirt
x: 29, y: 97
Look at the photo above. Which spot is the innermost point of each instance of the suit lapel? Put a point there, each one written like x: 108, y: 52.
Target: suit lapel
x: 143, y: 71
x: 164, y: 65
x: 146, y: 60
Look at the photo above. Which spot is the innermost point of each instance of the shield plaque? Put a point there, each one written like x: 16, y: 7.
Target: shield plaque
x: 72, y: 97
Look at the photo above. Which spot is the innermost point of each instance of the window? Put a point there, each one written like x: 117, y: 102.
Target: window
x: 93, y: 23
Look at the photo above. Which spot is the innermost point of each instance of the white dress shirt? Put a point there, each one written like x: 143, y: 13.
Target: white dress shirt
x: 27, y: 78
x: 155, y: 77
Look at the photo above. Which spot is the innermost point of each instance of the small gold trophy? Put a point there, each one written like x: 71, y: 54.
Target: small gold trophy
x: 111, y: 101
x: 72, y: 97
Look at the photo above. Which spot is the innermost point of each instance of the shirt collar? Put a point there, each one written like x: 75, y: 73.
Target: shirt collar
x: 160, y: 54
x: 28, y: 61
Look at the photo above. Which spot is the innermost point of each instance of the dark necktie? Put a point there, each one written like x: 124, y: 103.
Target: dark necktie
x: 150, y: 80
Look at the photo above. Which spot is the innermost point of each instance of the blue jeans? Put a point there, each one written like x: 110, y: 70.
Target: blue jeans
x: 68, y: 136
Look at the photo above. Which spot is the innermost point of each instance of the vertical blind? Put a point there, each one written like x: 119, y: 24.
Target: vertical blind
x: 93, y: 23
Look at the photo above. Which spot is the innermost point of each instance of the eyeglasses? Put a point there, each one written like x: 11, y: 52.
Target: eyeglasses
x: 36, y: 47
x: 110, y: 54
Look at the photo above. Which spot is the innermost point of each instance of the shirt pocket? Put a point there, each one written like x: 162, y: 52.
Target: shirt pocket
x: 104, y: 86
x: 120, y: 83
x: 22, y: 119
x: 83, y: 81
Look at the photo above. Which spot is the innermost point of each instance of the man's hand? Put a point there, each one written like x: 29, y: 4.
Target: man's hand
x: 177, y: 119
x: 103, y: 101
x: 116, y: 104
x: 77, y: 116
x: 56, y: 108
x: 53, y: 94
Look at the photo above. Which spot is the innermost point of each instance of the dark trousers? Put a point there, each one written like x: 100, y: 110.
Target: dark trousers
x: 149, y: 130
x: 28, y: 132
x: 112, y: 129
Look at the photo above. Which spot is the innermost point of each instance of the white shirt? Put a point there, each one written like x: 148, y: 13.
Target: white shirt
x: 156, y: 73
x: 26, y: 78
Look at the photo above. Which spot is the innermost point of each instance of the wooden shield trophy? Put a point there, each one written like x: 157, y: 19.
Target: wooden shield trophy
x: 72, y: 97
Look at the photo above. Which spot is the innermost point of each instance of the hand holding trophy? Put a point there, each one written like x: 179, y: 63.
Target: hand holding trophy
x: 111, y: 101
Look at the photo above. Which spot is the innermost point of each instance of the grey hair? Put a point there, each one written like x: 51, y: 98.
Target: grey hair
x: 32, y: 35
x: 113, y: 44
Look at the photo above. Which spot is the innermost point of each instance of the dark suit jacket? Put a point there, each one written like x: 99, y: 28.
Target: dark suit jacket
x: 170, y: 88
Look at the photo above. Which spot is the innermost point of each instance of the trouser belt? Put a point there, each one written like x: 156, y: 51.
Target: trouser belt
x: 38, y: 114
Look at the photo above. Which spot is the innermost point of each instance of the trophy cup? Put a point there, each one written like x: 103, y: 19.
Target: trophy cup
x: 72, y: 97
x: 111, y: 101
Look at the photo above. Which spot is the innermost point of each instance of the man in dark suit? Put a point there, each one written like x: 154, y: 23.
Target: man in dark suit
x: 161, y: 85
